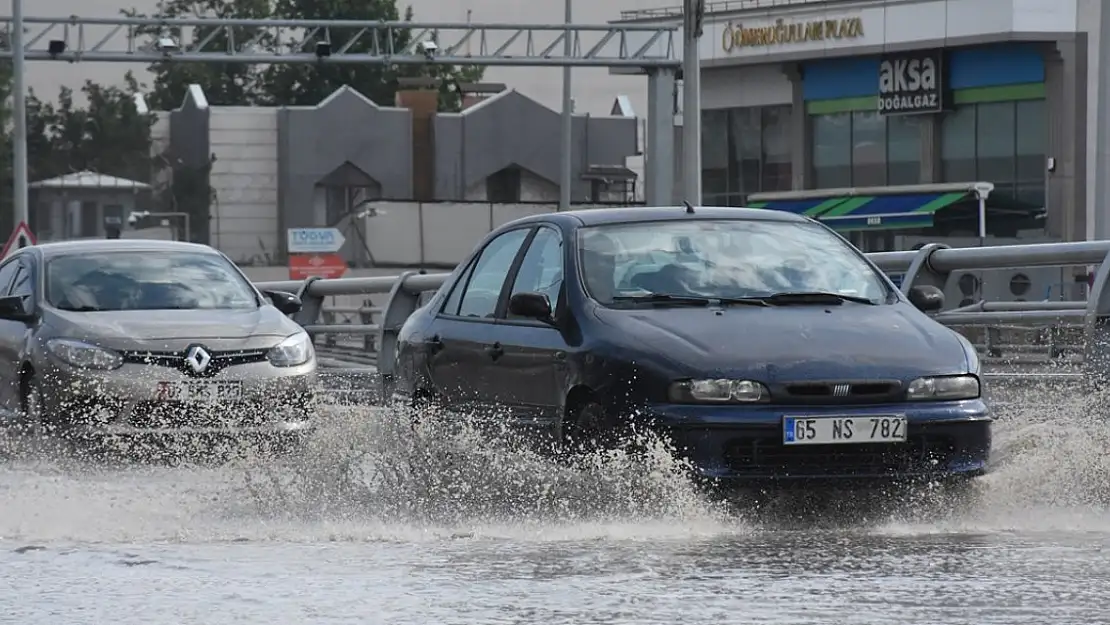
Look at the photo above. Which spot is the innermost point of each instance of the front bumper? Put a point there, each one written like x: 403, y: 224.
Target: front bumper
x: 141, y: 399
x: 739, y: 443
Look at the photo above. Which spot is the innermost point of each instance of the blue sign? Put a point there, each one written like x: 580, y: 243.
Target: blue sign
x: 314, y: 240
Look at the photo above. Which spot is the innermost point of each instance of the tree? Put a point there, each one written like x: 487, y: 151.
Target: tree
x: 232, y: 84
x: 293, y: 84
x: 108, y: 136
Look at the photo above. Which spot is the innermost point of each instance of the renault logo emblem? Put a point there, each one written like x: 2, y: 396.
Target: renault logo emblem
x: 197, y: 358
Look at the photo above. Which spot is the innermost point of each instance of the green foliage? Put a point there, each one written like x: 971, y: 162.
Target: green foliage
x: 294, y: 84
x: 108, y: 135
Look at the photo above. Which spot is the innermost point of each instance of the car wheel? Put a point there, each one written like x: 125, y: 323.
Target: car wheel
x: 591, y: 429
x: 33, y: 422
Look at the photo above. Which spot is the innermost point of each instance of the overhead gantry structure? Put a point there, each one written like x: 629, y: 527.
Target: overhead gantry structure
x: 647, y: 48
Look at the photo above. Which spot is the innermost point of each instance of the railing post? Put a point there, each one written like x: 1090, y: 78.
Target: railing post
x: 1097, y: 328
x: 366, y: 318
x: 921, y: 272
x: 329, y: 318
x: 400, y: 305
x: 311, y: 305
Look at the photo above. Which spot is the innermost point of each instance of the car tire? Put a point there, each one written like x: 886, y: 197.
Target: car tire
x: 591, y: 429
x: 36, y: 425
x: 33, y: 422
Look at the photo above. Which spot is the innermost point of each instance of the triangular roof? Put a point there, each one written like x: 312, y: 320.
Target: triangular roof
x: 89, y: 180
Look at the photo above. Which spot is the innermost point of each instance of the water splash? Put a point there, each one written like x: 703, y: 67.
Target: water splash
x: 397, y: 466
x: 380, y: 474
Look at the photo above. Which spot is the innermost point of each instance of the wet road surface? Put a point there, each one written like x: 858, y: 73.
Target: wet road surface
x: 361, y: 530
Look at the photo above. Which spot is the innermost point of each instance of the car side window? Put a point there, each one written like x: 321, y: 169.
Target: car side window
x: 23, y: 285
x: 451, y: 306
x: 7, y: 272
x: 541, y: 270
x: 483, y: 289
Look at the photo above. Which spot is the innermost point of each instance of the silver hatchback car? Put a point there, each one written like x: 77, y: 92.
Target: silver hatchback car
x: 148, y: 337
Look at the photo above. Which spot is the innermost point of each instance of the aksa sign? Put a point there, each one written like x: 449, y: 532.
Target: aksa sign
x: 912, y: 82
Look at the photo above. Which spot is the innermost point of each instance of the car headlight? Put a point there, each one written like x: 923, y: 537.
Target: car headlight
x: 84, y: 355
x: 719, y: 392
x: 944, y: 387
x: 293, y: 351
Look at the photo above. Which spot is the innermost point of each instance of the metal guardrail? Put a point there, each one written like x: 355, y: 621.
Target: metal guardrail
x: 1080, y: 328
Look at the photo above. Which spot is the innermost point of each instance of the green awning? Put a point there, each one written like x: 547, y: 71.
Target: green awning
x: 871, y: 212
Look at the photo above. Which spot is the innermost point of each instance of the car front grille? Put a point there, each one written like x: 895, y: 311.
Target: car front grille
x: 176, y: 360
x: 766, y: 455
x: 837, y: 392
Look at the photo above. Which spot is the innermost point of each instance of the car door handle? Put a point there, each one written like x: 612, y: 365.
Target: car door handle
x: 495, y: 351
x: 435, y: 344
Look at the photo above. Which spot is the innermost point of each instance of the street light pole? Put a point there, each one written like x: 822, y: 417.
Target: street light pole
x: 565, y: 173
x: 19, y: 117
x: 692, y: 15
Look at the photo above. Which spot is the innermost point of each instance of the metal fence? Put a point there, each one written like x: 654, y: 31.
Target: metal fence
x: 1016, y: 333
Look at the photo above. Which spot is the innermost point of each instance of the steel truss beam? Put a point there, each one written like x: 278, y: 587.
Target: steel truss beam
x: 136, y: 40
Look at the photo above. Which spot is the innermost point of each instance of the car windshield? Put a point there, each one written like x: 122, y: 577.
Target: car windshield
x: 146, y: 281
x: 722, y: 259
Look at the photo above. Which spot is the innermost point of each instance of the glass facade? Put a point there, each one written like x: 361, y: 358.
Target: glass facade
x: 999, y: 142
x: 744, y: 151
x: 865, y: 149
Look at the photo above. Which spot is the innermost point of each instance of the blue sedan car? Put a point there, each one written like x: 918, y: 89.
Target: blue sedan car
x: 764, y: 345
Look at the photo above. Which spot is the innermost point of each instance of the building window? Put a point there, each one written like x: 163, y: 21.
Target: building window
x: 998, y: 142
x: 832, y: 151
x: 714, y: 153
x: 503, y: 187
x: 865, y: 149
x: 745, y: 151
x: 777, y: 171
x: 903, y: 149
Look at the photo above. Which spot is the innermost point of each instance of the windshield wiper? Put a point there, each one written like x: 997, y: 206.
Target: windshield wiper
x: 80, y: 308
x: 688, y: 300
x: 813, y: 297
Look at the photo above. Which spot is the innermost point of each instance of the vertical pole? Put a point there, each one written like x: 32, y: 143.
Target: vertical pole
x: 1099, y: 204
x: 565, y: 172
x: 659, y: 161
x: 691, y: 100
x: 982, y: 220
x: 19, y: 117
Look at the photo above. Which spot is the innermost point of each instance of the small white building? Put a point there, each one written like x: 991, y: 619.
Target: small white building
x: 76, y: 205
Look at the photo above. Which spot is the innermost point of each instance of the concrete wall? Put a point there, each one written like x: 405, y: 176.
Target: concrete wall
x: 270, y: 169
x: 511, y: 129
x: 346, y: 140
x: 244, y: 180
x: 418, y: 234
x: 188, y: 156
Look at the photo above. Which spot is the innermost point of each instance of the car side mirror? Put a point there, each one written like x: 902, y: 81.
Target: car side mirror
x: 530, y: 305
x: 14, y: 308
x: 287, y: 303
x: 926, y: 298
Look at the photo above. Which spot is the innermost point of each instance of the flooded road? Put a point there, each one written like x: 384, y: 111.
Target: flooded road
x: 362, y: 530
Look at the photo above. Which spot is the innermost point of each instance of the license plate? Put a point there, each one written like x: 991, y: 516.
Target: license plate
x: 200, y: 391
x: 843, y: 430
